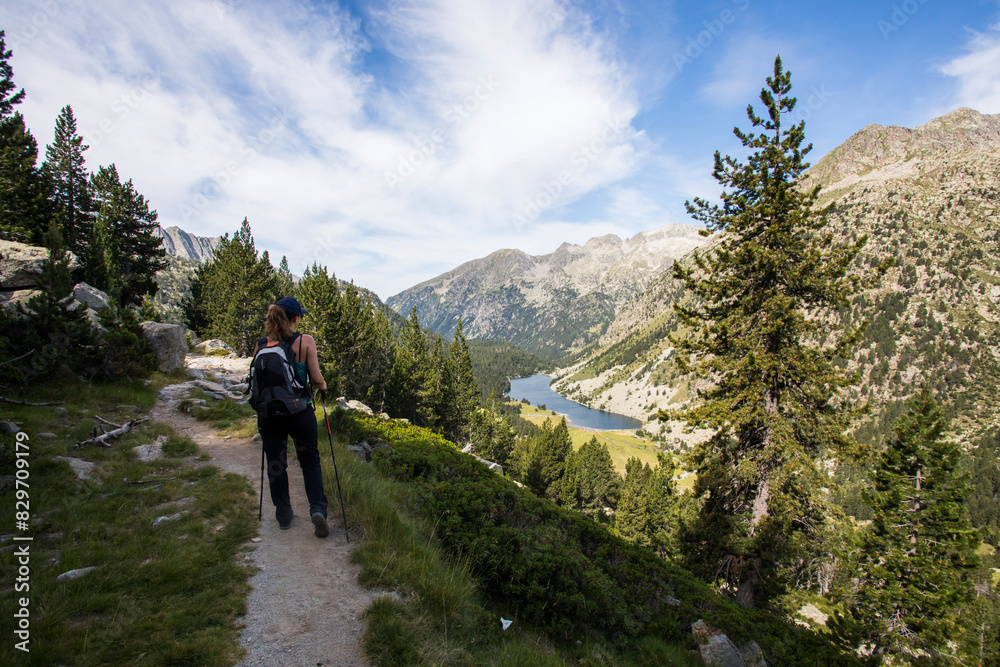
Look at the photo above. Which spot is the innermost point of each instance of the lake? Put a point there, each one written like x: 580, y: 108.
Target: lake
x: 536, y: 389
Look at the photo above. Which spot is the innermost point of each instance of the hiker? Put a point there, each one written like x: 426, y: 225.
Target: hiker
x: 282, y: 319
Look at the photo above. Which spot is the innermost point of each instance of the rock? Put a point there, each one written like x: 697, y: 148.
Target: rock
x: 195, y: 373
x: 240, y: 388
x: 61, y: 411
x: 752, y: 655
x: 720, y: 652
x: 215, y: 395
x: 256, y: 437
x: 811, y: 612
x: 83, y: 469
x: 164, y: 519
x: 8, y: 428
x: 672, y: 601
x: 76, y: 574
x: 10, y: 299
x: 358, y: 406
x: 715, y: 647
x: 213, y: 345
x: 167, y: 340
x: 91, y: 296
x: 364, y: 451
x: 45, y: 436
x: 152, y: 451
x: 21, y: 264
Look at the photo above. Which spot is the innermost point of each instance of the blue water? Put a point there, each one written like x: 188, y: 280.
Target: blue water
x: 536, y: 390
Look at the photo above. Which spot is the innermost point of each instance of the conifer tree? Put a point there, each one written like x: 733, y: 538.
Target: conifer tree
x: 320, y: 296
x: 490, y: 434
x: 234, y: 291
x: 644, y: 509
x: 64, y: 165
x: 765, y: 293
x: 283, y: 281
x: 9, y: 96
x: 919, y: 552
x: 409, y: 371
x: 129, y: 227
x: 25, y: 212
x: 58, y: 330
x: 554, y: 447
x: 465, y: 399
x: 437, y: 399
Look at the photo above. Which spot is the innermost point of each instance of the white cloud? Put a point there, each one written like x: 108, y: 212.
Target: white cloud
x: 229, y: 108
x: 978, y: 72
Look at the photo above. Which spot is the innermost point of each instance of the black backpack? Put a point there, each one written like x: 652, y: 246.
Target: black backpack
x: 275, y: 389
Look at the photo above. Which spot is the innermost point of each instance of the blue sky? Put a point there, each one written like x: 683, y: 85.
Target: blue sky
x: 393, y: 140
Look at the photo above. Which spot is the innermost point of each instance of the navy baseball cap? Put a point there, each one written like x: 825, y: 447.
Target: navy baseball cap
x: 291, y: 306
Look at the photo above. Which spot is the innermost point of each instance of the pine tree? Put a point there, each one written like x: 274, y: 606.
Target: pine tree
x: 234, y: 291
x: 25, y: 212
x: 644, y: 511
x: 283, y: 281
x: 9, y: 98
x: 919, y: 552
x: 765, y: 292
x: 490, y: 434
x: 466, y: 393
x: 409, y: 371
x: 131, y: 243
x: 58, y: 329
x: 320, y: 296
x: 64, y: 164
x: 554, y: 447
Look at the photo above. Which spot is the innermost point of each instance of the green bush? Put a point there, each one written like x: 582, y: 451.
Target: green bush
x: 557, y: 570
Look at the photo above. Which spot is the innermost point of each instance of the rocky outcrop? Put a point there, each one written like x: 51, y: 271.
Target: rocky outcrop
x: 179, y: 243
x: 168, y: 342
x: 20, y: 268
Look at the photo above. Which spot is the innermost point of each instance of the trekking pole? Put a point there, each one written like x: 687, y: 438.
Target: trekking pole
x: 336, y: 474
x: 260, y: 510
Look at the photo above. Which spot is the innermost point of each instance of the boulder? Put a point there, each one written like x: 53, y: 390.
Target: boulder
x: 167, y: 340
x: 91, y: 296
x: 355, y: 406
x: 718, y: 651
x: 12, y: 298
x: 364, y: 451
x: 21, y: 264
x: 83, y: 469
x: 212, y: 345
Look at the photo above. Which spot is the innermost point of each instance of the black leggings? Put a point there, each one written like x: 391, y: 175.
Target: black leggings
x: 274, y: 432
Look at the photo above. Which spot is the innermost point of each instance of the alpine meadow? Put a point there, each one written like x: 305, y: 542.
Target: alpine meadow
x: 811, y: 349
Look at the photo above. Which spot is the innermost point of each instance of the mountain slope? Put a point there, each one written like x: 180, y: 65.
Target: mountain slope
x: 928, y: 197
x: 178, y: 243
x: 547, y: 304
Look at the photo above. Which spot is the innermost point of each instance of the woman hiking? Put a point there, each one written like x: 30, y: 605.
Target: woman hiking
x: 282, y: 319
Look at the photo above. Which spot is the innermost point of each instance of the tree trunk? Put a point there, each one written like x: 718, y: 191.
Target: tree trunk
x: 748, y: 579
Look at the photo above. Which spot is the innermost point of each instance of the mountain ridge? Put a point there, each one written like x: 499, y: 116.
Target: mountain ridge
x: 565, y: 298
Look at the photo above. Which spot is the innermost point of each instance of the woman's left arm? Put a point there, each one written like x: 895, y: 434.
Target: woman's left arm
x: 312, y: 362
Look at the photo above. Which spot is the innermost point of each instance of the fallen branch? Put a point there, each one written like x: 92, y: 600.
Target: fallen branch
x: 4, y: 399
x: 10, y: 361
x: 148, y: 481
x: 104, y: 437
x: 105, y: 421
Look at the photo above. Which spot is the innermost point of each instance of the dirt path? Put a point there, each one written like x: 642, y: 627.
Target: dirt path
x: 306, y: 606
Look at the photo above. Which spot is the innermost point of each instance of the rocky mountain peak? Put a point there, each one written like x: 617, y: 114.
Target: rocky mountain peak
x: 180, y: 243
x: 887, y: 150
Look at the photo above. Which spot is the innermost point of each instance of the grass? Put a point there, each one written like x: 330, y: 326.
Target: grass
x: 622, y: 445
x: 170, y: 594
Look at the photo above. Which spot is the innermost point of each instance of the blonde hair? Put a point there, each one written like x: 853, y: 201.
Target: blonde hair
x: 277, y: 324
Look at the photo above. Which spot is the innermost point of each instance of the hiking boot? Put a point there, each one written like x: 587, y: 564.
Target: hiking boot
x: 322, y: 529
x: 284, y: 520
